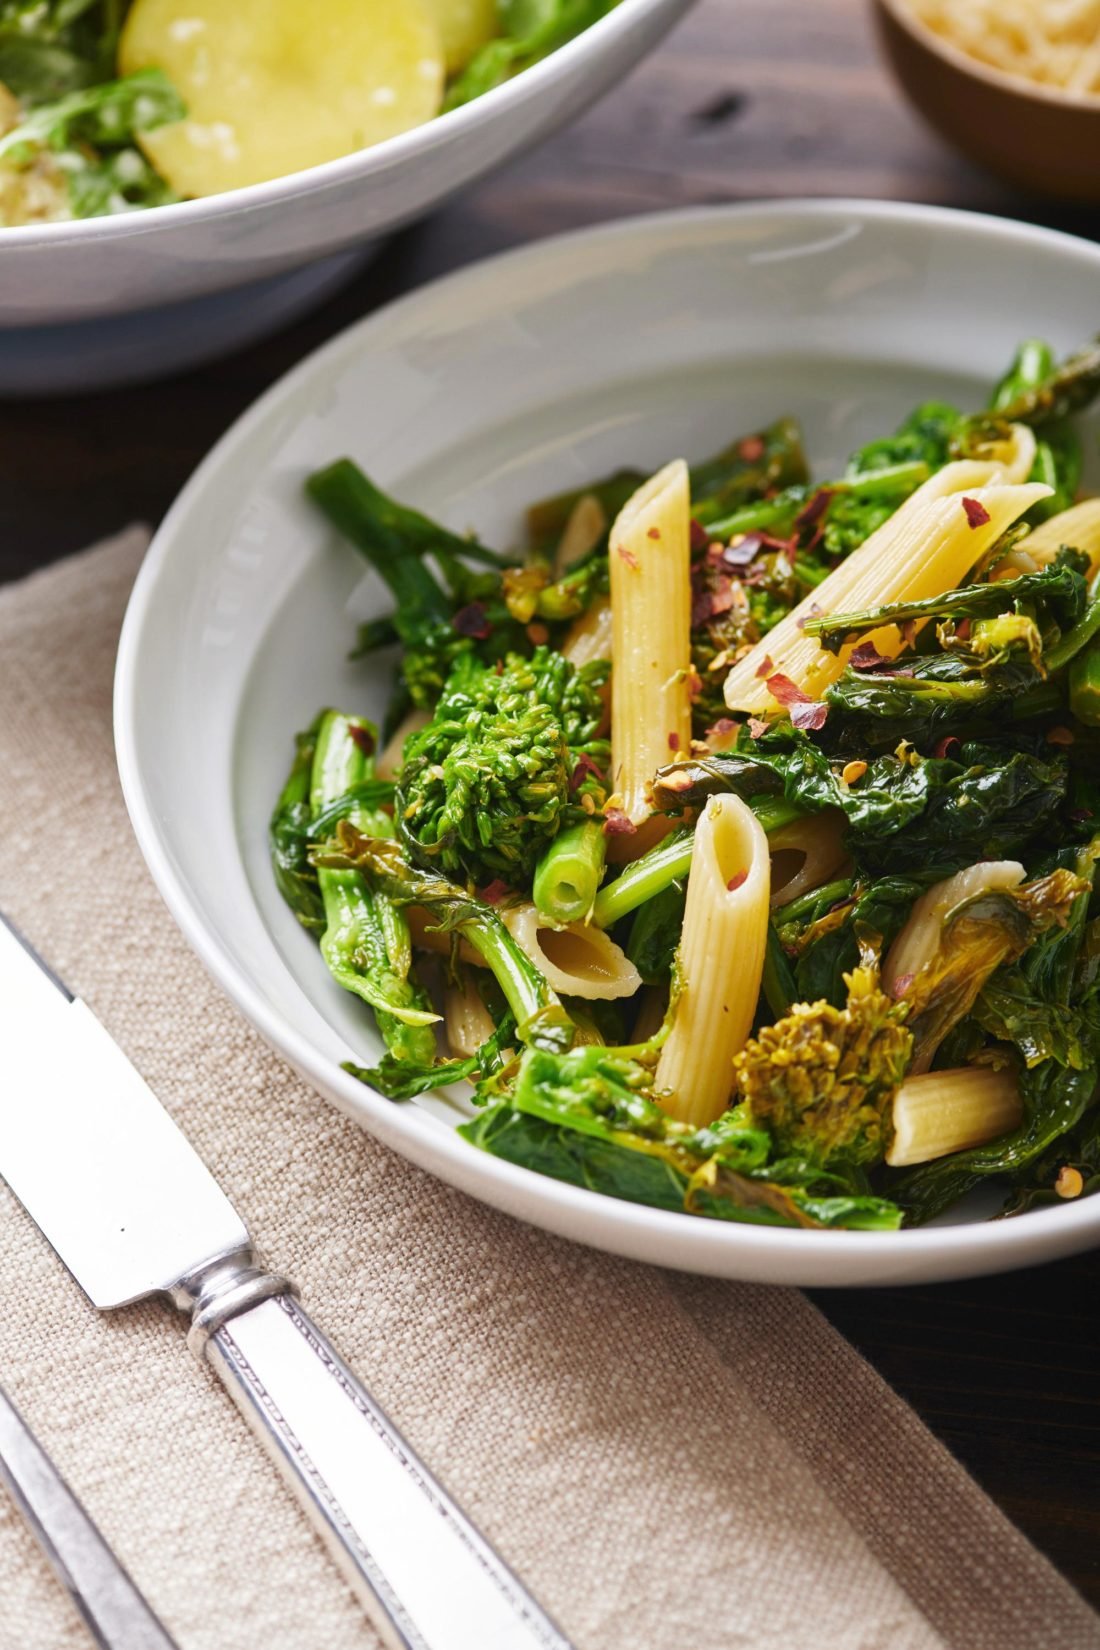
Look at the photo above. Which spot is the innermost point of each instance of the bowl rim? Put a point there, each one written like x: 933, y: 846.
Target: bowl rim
x: 1015, y: 85
x: 361, y: 163
x: 679, y: 1241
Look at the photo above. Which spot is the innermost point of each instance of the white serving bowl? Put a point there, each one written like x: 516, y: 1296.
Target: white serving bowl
x: 100, y: 301
x: 522, y: 376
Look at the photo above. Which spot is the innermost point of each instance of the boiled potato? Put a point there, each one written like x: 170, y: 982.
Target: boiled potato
x: 272, y: 86
x: 464, y: 27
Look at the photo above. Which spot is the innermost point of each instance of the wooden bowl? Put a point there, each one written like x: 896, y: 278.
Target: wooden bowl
x: 1044, y: 140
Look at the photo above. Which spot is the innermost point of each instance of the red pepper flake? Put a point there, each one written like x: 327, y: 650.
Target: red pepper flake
x: 494, y: 892
x: 901, y: 985
x: 721, y: 729
x: 1079, y: 815
x: 626, y: 555
x: 473, y: 621
x: 702, y: 607
x: 867, y: 657
x: 700, y: 538
x: 809, y: 717
x: 946, y: 747
x: 815, y: 509
x: 362, y: 737
x: 757, y: 725
x: 616, y: 823
x: 675, y: 780
x: 751, y: 448
x: 499, y: 667
x: 694, y: 683
x: 722, y: 599
x: 812, y: 612
x: 962, y: 631
x: 674, y: 741
x: 786, y: 692
x: 909, y: 632
x: 976, y: 513
x: 735, y: 882
x: 767, y: 666
x: 653, y: 533
x: 538, y: 634
x: 585, y: 767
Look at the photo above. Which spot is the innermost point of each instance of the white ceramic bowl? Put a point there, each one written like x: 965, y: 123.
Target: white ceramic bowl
x: 151, y: 270
x: 522, y: 376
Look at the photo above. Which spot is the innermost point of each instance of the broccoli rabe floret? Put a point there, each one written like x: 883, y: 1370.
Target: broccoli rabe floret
x: 485, y: 787
x: 821, y: 1079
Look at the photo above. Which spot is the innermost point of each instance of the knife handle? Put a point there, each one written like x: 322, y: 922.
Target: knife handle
x: 425, y: 1576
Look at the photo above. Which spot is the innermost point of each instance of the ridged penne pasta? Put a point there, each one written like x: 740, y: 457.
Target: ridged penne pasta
x: 650, y: 563
x: 721, y: 960
x: 589, y: 636
x: 805, y: 854
x: 388, y: 764
x: 920, y: 938
x: 950, y: 1111
x: 467, y: 1023
x: 1078, y: 526
x: 577, y: 960
x: 927, y: 546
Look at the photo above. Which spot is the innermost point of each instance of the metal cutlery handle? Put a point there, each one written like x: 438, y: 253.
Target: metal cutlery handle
x: 427, y: 1578
x: 116, y: 1613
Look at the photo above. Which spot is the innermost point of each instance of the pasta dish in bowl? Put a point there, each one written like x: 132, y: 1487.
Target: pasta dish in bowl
x: 742, y: 835
x: 687, y: 841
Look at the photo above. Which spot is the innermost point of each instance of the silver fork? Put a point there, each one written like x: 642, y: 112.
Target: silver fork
x: 117, y: 1615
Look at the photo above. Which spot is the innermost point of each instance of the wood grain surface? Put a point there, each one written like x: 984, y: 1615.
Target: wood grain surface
x: 748, y: 99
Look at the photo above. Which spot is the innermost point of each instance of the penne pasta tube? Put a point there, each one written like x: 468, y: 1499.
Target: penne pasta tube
x: 919, y: 939
x: 805, y: 854
x: 583, y: 531
x: 721, y: 959
x: 950, y: 1111
x: 589, y: 635
x: 467, y: 1023
x: 928, y: 546
x: 1079, y: 526
x: 650, y: 569
x: 388, y: 764
x: 577, y: 960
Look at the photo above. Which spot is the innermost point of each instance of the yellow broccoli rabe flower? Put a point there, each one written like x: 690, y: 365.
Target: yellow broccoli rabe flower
x: 822, y: 1078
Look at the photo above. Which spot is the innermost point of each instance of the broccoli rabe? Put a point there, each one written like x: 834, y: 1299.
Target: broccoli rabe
x: 485, y: 787
x: 822, y: 1078
x: 589, y: 1117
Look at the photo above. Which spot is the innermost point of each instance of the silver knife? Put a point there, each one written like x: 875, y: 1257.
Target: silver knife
x: 132, y: 1211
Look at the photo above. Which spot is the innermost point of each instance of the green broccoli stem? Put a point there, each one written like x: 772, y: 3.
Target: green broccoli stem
x: 1079, y: 635
x: 540, y: 1018
x: 644, y: 878
x: 568, y: 876
x: 779, y: 512
x: 391, y: 536
x: 1084, y: 686
x: 366, y: 944
x: 1032, y: 365
x: 671, y: 859
x: 829, y: 894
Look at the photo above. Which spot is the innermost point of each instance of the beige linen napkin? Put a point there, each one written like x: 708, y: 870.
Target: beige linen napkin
x: 668, y: 1462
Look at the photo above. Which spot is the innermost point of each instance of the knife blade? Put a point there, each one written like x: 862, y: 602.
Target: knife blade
x: 132, y: 1211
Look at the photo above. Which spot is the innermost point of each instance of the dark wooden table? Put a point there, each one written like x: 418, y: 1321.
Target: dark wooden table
x: 750, y: 98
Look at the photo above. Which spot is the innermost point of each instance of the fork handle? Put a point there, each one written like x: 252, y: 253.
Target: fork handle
x: 117, y: 1616
x: 426, y: 1577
